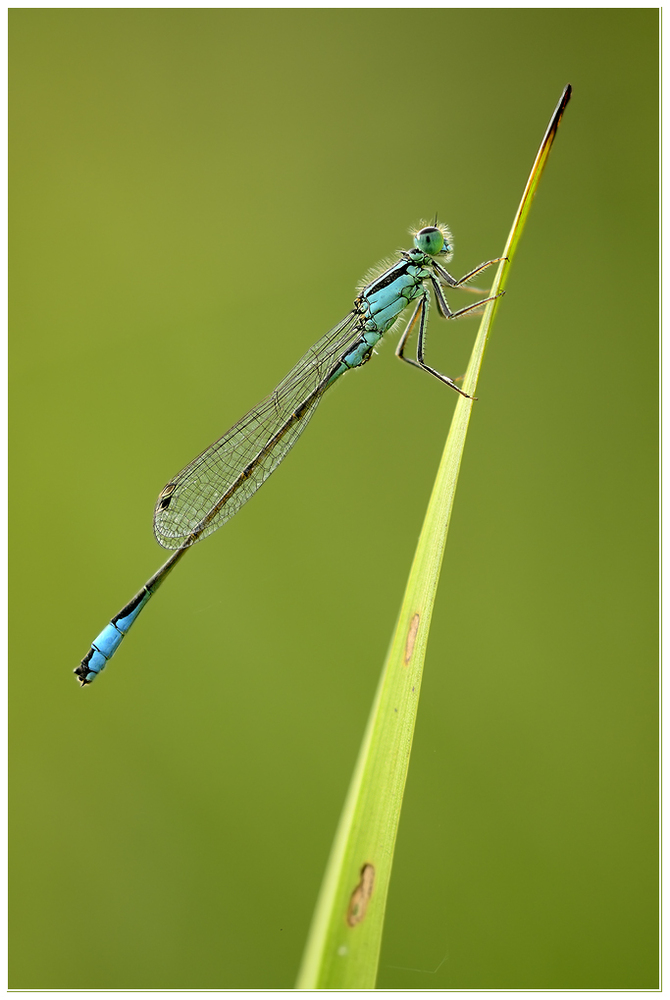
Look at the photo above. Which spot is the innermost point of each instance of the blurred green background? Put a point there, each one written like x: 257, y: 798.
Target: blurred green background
x: 194, y: 195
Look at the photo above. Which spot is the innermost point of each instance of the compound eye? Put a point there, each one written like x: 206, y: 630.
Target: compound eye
x: 430, y: 240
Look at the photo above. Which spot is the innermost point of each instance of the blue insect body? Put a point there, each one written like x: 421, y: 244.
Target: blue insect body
x: 213, y: 487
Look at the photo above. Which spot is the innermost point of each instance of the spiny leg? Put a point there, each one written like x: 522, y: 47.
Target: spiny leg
x: 422, y: 312
x: 422, y: 363
x: 455, y: 282
x: 408, y: 329
x: 443, y: 306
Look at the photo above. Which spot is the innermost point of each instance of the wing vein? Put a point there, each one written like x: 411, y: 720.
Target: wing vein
x: 213, y: 487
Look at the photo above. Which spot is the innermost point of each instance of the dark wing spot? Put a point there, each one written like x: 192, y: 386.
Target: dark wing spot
x: 166, y: 496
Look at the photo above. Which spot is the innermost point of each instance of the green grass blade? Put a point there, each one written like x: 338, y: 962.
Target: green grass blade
x: 343, y: 947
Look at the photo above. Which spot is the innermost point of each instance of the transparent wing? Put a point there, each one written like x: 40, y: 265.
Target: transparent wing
x: 213, y: 487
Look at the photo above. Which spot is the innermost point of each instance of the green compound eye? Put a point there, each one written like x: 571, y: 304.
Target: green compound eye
x: 430, y: 240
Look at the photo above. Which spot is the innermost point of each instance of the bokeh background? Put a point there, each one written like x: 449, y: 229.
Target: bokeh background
x: 194, y: 195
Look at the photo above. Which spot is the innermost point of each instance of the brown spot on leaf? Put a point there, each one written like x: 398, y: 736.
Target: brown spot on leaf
x: 411, y: 637
x: 360, y: 897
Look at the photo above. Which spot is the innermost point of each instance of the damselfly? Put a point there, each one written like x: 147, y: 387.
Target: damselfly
x: 219, y: 481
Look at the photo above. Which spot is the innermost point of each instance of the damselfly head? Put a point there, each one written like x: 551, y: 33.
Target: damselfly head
x: 434, y: 240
